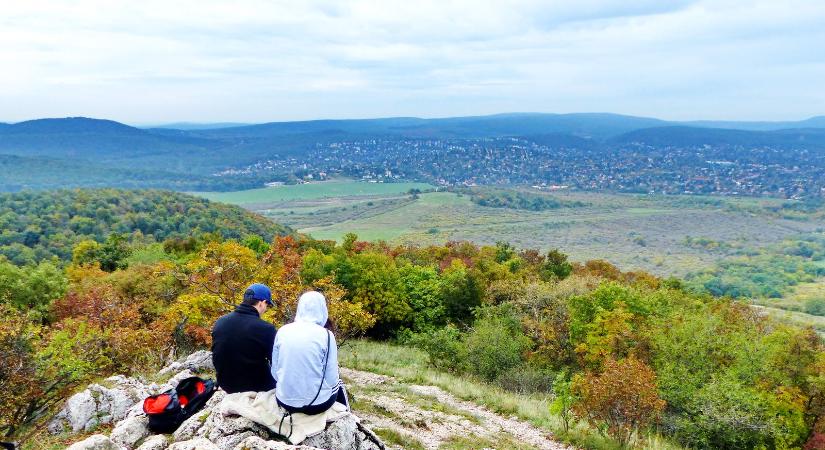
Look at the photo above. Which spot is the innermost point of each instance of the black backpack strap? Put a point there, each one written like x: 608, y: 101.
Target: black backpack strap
x: 323, y: 372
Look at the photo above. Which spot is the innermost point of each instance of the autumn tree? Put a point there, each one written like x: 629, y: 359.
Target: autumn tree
x: 619, y: 401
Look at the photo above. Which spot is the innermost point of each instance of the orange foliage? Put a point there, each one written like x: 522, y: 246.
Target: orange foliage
x: 619, y: 401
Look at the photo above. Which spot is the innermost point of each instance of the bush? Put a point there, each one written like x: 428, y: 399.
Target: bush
x: 496, y: 342
x: 815, y: 306
x: 443, y: 347
x: 527, y: 379
x: 621, y: 400
x: 730, y: 414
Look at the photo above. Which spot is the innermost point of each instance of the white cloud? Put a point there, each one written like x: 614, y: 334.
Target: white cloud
x: 257, y: 60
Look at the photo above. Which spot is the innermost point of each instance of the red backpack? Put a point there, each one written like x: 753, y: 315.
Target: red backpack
x: 168, y: 410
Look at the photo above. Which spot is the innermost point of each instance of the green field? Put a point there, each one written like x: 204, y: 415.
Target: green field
x: 632, y: 231
x: 295, y: 192
x: 674, y: 235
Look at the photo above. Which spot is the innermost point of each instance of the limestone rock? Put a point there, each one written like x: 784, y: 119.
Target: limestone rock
x: 200, y: 361
x: 156, y: 442
x: 99, y: 404
x: 228, y: 431
x: 194, y: 444
x: 345, y: 433
x: 189, y: 428
x: 96, y: 442
x: 130, y: 431
x: 186, y: 373
x: 257, y: 443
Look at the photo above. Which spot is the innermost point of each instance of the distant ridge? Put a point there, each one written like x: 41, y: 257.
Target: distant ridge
x: 683, y: 135
x: 196, y: 125
x: 98, y: 152
x: 69, y: 125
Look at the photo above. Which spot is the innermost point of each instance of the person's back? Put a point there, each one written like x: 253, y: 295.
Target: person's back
x: 242, y: 346
x: 305, y: 360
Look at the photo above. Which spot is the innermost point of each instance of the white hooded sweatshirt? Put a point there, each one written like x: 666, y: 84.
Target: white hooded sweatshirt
x: 299, y: 353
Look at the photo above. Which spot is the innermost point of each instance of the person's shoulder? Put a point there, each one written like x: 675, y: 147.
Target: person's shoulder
x: 222, y: 319
x: 264, y: 325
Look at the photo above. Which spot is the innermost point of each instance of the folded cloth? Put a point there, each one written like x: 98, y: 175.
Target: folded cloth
x: 261, y: 408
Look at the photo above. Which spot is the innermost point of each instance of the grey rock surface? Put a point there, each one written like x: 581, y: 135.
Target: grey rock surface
x: 200, y: 361
x: 156, y: 442
x: 130, y: 431
x: 344, y: 433
x: 194, y: 444
x: 95, y: 442
x: 99, y: 404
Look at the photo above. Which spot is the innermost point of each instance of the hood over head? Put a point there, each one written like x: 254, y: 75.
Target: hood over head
x: 312, y: 307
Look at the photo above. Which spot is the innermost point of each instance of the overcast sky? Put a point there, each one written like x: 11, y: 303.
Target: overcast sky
x: 149, y: 62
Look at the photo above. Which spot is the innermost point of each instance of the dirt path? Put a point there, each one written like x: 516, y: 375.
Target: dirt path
x: 431, y: 417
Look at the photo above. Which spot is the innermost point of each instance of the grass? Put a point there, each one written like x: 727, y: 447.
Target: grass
x: 393, y: 437
x: 475, y: 442
x: 410, y: 366
x: 632, y: 231
x: 325, y: 189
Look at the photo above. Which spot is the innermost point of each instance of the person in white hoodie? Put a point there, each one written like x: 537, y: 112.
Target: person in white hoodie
x: 305, y: 360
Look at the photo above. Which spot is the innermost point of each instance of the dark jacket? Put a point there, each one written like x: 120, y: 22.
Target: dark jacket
x: 241, y: 351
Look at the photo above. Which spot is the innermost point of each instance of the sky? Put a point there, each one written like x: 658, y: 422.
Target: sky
x: 152, y: 62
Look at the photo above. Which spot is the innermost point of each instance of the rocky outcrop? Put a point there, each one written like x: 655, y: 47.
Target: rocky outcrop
x: 96, y: 442
x: 199, y: 362
x: 120, y: 404
x: 99, y: 404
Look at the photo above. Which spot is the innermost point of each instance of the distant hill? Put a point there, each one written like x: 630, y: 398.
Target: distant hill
x: 41, y: 225
x: 195, y: 125
x: 813, y: 122
x: 586, y: 125
x: 692, y: 136
x: 96, y: 140
x: 79, y: 151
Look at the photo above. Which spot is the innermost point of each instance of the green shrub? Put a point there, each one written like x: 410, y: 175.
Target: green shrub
x: 815, y: 306
x: 496, y: 342
x: 443, y: 347
x: 527, y: 379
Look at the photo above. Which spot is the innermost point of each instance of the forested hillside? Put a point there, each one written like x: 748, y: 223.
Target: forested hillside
x: 39, y: 226
x: 621, y: 353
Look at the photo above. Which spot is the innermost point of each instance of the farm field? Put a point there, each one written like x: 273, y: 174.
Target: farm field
x: 317, y: 190
x: 676, y: 235
x: 632, y: 231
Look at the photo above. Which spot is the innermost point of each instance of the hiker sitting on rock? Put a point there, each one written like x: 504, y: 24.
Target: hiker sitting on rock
x: 305, y: 360
x: 242, y: 344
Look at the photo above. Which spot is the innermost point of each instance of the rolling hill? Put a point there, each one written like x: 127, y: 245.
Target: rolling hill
x: 94, y: 152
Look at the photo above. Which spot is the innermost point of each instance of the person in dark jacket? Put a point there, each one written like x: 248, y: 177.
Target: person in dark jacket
x: 242, y: 344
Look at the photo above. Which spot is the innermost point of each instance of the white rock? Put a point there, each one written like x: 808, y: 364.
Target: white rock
x: 200, y: 361
x: 96, y: 442
x: 194, y: 444
x: 156, y: 442
x: 343, y: 433
x: 81, y: 409
x: 189, y: 428
x: 228, y: 431
x: 100, y: 405
x: 179, y: 377
x: 130, y: 431
x: 257, y: 443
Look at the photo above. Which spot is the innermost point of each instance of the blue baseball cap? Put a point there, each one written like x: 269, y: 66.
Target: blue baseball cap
x: 258, y: 291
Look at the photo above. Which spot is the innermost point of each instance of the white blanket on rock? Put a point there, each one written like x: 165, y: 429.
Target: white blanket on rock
x: 261, y: 408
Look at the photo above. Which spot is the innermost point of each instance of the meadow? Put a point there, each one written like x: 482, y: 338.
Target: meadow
x: 664, y: 235
x: 670, y: 235
x: 317, y: 190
